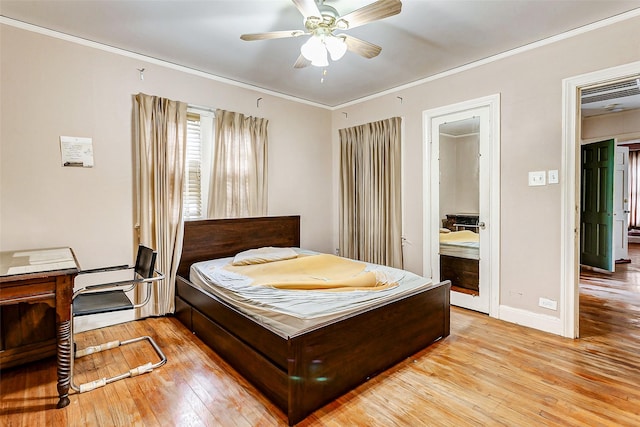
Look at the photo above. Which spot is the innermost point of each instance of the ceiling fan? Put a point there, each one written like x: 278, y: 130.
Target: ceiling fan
x: 320, y: 22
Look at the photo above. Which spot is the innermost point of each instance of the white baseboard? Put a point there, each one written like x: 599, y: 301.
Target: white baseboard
x: 538, y: 321
x: 96, y: 321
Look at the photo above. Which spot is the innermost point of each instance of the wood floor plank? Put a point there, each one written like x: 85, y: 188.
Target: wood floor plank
x: 486, y: 373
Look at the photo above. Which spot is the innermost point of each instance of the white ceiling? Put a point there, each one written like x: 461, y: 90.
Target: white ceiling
x: 427, y: 38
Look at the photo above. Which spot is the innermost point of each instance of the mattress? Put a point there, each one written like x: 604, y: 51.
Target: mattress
x: 461, y: 244
x: 288, y: 312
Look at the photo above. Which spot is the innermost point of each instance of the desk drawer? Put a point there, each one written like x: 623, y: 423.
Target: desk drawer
x: 27, y: 310
x: 27, y: 323
x: 28, y: 291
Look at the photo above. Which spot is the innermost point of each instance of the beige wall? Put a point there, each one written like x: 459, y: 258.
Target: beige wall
x: 530, y: 86
x: 52, y: 87
x: 624, y: 125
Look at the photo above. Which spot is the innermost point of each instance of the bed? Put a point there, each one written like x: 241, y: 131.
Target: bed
x: 310, y: 364
x: 459, y: 258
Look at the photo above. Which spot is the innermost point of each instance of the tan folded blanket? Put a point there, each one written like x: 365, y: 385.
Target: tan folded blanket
x: 460, y: 236
x: 318, y: 272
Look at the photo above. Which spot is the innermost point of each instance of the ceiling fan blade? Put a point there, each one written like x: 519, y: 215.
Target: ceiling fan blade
x: 307, y: 7
x: 361, y: 47
x: 272, y: 35
x: 372, y: 12
x: 301, y: 62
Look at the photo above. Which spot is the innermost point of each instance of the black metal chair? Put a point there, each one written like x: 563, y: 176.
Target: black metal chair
x: 110, y: 297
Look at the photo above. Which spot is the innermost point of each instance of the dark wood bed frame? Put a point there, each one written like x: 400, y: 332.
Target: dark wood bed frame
x: 462, y: 272
x: 300, y: 373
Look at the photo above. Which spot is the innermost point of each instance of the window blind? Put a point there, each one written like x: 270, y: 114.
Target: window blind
x: 192, y: 193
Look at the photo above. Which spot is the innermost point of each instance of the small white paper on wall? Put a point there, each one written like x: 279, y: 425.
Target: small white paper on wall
x: 76, y: 151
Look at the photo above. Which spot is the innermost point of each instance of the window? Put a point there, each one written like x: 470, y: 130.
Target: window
x: 197, y: 163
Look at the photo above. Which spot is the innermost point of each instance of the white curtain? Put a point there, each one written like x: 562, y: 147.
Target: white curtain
x: 238, y: 186
x: 634, y: 189
x: 370, y: 173
x: 160, y: 135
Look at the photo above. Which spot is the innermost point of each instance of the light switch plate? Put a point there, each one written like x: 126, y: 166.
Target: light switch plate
x: 553, y: 176
x: 537, y: 178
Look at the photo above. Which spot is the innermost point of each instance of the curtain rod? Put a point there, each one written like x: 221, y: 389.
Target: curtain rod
x: 200, y: 107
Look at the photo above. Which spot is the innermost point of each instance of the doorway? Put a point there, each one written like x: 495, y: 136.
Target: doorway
x: 596, y: 204
x: 462, y: 207
x: 604, y: 203
x: 570, y: 176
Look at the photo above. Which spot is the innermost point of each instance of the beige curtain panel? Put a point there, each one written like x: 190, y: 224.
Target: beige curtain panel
x: 370, y: 181
x: 238, y: 186
x: 160, y: 137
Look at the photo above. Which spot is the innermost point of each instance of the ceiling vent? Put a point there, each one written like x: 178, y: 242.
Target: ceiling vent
x: 611, y: 91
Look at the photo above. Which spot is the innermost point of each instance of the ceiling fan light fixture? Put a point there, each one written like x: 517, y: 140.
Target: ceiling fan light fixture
x: 321, y: 61
x: 316, y: 48
x: 336, y: 46
x: 315, y: 51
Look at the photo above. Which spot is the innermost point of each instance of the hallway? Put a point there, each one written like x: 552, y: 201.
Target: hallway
x: 610, y: 303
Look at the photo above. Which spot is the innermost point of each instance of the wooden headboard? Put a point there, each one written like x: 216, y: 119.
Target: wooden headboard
x: 218, y: 238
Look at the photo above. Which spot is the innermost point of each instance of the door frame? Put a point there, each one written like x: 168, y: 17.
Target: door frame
x: 569, y: 175
x: 431, y: 196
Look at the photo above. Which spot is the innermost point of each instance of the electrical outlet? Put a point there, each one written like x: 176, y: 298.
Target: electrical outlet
x: 548, y: 303
x: 537, y: 178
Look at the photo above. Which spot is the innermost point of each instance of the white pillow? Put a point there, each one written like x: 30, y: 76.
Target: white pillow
x: 262, y: 255
x: 445, y: 230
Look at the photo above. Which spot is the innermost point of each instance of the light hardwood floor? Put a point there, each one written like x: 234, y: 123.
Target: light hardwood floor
x: 486, y: 373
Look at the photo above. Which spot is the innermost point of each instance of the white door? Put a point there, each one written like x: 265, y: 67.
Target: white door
x: 472, y: 124
x: 621, y: 205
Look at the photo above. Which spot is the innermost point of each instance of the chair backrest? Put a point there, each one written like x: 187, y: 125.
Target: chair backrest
x: 145, y: 261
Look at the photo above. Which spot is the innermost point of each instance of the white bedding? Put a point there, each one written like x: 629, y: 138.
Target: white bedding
x: 289, y: 311
x: 461, y: 244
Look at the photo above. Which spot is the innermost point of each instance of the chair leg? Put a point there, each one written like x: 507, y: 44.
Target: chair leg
x: 97, y: 348
x: 147, y: 367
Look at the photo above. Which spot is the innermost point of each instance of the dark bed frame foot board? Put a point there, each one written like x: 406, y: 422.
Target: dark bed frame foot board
x: 365, y: 347
x: 358, y: 348
x: 302, y: 373
x: 462, y: 272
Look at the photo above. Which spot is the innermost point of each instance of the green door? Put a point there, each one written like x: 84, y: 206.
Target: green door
x: 596, y: 205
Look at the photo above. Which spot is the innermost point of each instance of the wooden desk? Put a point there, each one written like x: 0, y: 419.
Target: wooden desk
x: 36, y: 287
x: 462, y: 221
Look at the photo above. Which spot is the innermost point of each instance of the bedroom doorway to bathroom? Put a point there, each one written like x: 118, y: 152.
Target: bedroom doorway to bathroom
x: 462, y: 216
